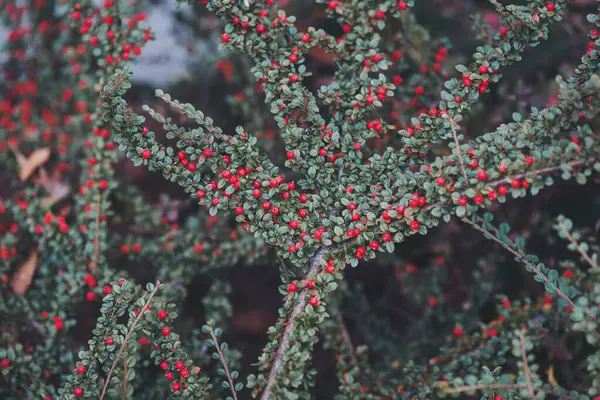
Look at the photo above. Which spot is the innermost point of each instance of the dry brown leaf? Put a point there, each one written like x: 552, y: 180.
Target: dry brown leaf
x: 35, y: 159
x: 53, y: 184
x: 22, y: 278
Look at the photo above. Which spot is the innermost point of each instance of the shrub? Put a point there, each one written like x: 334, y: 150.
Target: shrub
x: 343, y: 185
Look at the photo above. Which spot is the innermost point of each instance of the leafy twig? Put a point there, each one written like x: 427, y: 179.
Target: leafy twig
x: 526, y: 364
x: 127, y: 336
x: 458, y: 152
x: 289, y: 328
x: 222, y: 358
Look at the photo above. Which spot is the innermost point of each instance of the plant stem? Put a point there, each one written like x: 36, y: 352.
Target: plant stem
x: 127, y: 336
x: 214, y: 338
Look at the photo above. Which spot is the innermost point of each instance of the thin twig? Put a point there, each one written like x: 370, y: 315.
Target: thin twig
x: 315, y: 264
x: 458, y: 152
x: 571, y: 239
x: 526, y: 364
x: 94, y: 263
x: 127, y: 336
x: 505, y: 386
x: 125, y: 373
x: 521, y: 257
x: 346, y: 337
x: 214, y: 338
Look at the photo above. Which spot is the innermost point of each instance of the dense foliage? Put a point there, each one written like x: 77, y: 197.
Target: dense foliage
x: 393, y: 144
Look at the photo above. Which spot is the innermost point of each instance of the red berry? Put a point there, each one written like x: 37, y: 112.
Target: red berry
x: 81, y: 369
x: 290, y: 155
x: 225, y: 37
x: 166, y: 331
x: 402, y: 5
x: 146, y: 154
x: 109, y: 341
x: 176, y: 387
x: 260, y: 28
x: 550, y: 7
x: 179, y: 365
x: 164, y: 365
x: 313, y: 301
x: 292, y: 287
x: 162, y: 314
x: 5, y: 363
x: 458, y: 331
x: 483, y: 69
x: 78, y: 392
x: 482, y: 175
x: 414, y: 225
x: 333, y: 4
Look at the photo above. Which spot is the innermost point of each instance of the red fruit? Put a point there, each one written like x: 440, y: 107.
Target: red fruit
x: 166, y: 331
x: 482, y: 175
x: 109, y: 341
x: 146, y: 154
x: 290, y: 155
x: 179, y: 365
x: 78, y: 392
x: 260, y: 28
x: 313, y: 301
x: 462, y: 201
x: 374, y: 245
x: 333, y: 4
x: 483, y: 69
x: 292, y: 287
x: 164, y: 365
x: 225, y: 37
x: 568, y: 273
x: 402, y: 5
x: 5, y: 363
x: 550, y: 7
x: 414, y: 225
x: 162, y: 314
x: 386, y: 237
x: 458, y: 331
x: 184, y: 372
x: 176, y: 387
x: 239, y: 210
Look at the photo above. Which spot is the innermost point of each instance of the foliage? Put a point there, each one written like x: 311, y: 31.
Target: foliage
x: 341, y: 185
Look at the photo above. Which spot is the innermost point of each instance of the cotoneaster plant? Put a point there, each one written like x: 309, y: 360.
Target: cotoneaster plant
x: 365, y: 185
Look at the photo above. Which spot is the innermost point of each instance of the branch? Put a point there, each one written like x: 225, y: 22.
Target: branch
x: 225, y: 367
x: 572, y: 240
x: 127, y: 336
x: 289, y: 328
x: 458, y: 152
x: 505, y: 386
x: 526, y: 364
x: 94, y: 263
x: 520, y: 256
